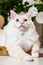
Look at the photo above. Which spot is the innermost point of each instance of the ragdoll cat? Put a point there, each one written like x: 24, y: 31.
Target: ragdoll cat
x: 21, y: 36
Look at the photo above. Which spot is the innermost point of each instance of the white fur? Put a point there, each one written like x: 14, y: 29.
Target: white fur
x: 19, y: 40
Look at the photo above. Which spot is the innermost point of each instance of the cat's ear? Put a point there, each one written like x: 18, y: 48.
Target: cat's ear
x: 12, y: 14
x: 29, y: 14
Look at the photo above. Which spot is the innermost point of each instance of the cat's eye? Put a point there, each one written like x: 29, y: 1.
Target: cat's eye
x: 25, y: 20
x: 17, y: 20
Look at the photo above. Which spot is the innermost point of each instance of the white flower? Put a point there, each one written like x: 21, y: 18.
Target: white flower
x: 39, y: 18
x: 29, y: 1
x: 33, y: 10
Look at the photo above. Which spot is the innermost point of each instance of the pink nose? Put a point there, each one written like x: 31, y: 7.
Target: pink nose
x: 22, y: 22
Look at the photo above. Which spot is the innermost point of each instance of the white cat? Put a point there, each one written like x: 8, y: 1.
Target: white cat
x: 21, y: 36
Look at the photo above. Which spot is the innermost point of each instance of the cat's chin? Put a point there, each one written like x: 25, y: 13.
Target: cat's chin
x: 22, y: 29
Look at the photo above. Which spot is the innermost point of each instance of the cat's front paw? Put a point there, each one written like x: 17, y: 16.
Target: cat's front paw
x: 35, y: 55
x: 28, y: 58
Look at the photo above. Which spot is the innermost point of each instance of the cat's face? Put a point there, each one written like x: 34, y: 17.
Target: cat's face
x: 22, y: 22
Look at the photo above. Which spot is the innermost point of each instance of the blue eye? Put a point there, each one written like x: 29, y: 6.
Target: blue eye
x: 25, y: 20
x: 17, y: 20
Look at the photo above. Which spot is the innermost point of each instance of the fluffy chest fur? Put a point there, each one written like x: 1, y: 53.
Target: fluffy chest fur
x: 16, y: 37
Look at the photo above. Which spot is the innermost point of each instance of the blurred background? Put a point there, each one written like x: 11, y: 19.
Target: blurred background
x: 23, y: 6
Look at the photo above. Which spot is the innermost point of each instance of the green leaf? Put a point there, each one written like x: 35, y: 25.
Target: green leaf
x: 1, y: 49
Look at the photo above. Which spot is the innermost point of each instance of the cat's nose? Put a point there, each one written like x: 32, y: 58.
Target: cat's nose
x: 22, y: 22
